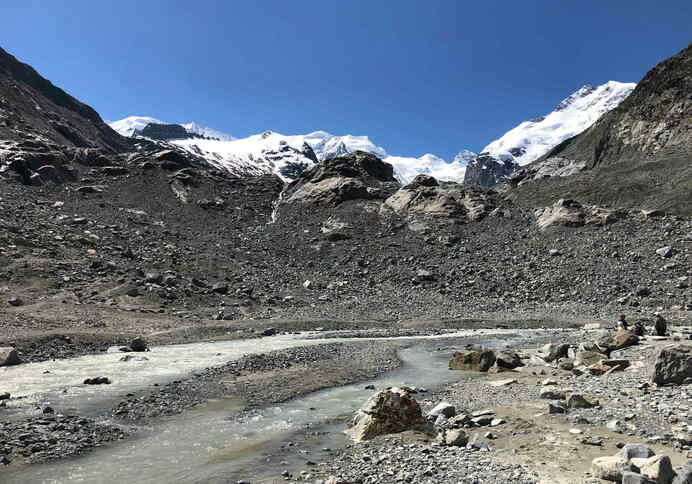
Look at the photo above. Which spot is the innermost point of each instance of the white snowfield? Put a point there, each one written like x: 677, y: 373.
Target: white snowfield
x: 534, y: 138
x: 272, y: 152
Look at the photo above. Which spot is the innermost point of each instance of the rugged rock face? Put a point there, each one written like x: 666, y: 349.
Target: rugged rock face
x: 638, y: 154
x: 487, y: 171
x: 356, y: 176
x: 165, y: 132
x: 426, y: 196
x: 572, y: 214
x: 33, y: 110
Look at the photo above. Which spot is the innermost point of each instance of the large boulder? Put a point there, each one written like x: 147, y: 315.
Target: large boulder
x: 587, y: 358
x: 615, y: 340
x: 673, y: 364
x: 553, y: 351
x: 139, y: 344
x: 473, y: 360
x: 508, y: 360
x: 639, y: 451
x: 570, y: 213
x: 684, y: 475
x: 354, y: 176
x: 9, y: 356
x: 427, y: 197
x: 386, y: 412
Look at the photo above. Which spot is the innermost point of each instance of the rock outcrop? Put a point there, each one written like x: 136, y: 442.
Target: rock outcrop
x: 570, y: 213
x: 355, y: 176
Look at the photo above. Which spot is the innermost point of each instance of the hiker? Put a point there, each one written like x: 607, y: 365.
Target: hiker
x: 638, y: 328
x: 660, y: 325
x: 622, y: 323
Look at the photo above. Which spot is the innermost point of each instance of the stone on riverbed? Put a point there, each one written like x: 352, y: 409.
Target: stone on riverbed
x: 611, y: 468
x: 577, y: 400
x: 445, y: 409
x: 386, y: 412
x: 657, y: 468
x: 673, y: 365
x: 631, y: 451
x: 474, y: 360
x: 139, y: 344
x: 9, y: 356
x: 508, y: 360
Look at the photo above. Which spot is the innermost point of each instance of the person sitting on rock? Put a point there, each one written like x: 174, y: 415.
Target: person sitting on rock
x: 660, y: 325
x: 638, y: 328
x: 622, y: 323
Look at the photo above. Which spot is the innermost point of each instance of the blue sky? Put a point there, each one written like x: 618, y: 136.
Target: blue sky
x: 415, y: 76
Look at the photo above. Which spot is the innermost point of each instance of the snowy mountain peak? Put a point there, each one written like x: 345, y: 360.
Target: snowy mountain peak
x: 532, y: 139
x: 464, y: 157
x: 131, y: 125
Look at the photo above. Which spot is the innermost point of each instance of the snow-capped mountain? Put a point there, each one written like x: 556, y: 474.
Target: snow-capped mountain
x: 534, y: 138
x: 131, y: 125
x: 285, y: 156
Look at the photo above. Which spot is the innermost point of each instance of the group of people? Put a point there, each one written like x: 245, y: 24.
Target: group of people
x: 660, y: 325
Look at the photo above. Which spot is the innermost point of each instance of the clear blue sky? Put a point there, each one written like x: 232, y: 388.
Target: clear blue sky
x: 415, y: 76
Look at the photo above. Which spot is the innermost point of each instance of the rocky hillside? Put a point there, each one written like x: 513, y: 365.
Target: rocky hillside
x: 33, y: 110
x: 639, y: 154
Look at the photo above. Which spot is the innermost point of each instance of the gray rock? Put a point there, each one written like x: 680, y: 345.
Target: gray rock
x: 552, y: 351
x: 475, y: 360
x: 455, y: 438
x: 389, y: 411
x: 632, y: 451
x: 443, y: 408
x: 139, y: 344
x: 15, y: 301
x: 684, y: 474
x: 673, y: 364
x: 9, y: 356
x: 666, y: 251
x: 634, y: 478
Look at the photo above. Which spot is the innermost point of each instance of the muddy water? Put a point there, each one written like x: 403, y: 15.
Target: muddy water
x: 205, y: 445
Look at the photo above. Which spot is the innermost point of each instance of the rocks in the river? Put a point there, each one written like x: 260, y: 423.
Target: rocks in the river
x: 5, y: 396
x: 611, y: 468
x: 9, y: 356
x: 389, y: 411
x: 139, y: 344
x: 474, y: 360
x: 556, y: 409
x: 97, y: 380
x: 269, y: 332
x: 673, y: 364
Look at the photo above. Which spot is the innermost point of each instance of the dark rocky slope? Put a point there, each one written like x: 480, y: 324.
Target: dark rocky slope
x: 637, y: 155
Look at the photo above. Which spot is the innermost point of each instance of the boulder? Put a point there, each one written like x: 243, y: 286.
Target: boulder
x: 15, y: 301
x: 611, y: 468
x: 657, y: 468
x: 389, y: 411
x: 9, y: 356
x: 638, y: 451
x: 455, y: 438
x: 474, y: 360
x: 577, y: 400
x: 443, y: 408
x: 553, y: 351
x: 615, y: 340
x: 666, y: 251
x: 269, y: 332
x: 98, y: 380
x: 508, y: 360
x: 139, y: 344
x: 673, y: 364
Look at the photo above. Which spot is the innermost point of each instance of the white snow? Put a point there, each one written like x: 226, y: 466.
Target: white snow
x: 573, y: 115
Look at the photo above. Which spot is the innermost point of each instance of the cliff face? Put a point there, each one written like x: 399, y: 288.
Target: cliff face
x: 32, y: 108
